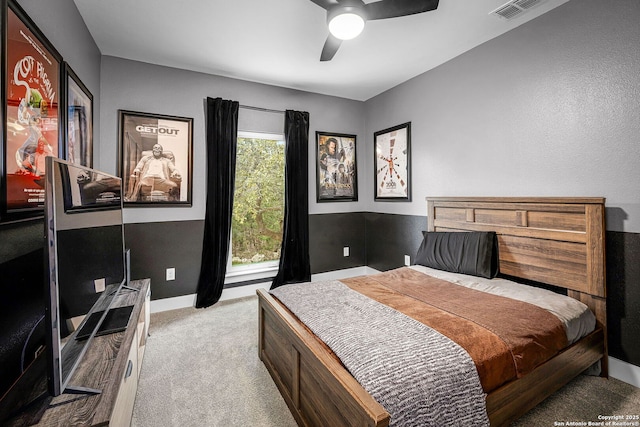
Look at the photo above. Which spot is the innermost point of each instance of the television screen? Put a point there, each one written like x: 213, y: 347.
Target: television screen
x: 86, y: 265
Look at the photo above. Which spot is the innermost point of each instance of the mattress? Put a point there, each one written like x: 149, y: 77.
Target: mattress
x: 576, y: 317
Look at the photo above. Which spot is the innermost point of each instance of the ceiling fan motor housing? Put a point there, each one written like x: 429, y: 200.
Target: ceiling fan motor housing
x: 345, y: 21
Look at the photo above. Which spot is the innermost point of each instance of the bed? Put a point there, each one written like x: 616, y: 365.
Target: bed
x: 554, y: 241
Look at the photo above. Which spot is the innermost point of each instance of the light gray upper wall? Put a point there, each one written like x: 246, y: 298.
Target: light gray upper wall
x: 551, y: 108
x: 62, y: 24
x: 137, y: 86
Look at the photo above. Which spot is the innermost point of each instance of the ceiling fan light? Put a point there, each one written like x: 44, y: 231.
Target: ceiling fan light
x: 346, y: 26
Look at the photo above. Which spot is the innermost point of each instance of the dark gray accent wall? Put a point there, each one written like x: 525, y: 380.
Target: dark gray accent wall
x: 376, y: 240
x: 329, y: 234
x: 156, y: 246
x: 370, y: 237
x: 623, y: 295
x: 21, y: 238
x: 391, y: 237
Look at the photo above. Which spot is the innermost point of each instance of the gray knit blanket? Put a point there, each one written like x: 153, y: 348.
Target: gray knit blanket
x: 418, y: 375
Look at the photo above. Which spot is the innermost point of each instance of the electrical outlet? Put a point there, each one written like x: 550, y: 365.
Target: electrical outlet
x: 345, y: 251
x: 407, y: 260
x: 171, y: 274
x: 99, y: 285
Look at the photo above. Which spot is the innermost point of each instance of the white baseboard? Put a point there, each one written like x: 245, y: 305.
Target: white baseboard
x: 624, y: 371
x: 343, y: 274
x: 185, y: 301
x: 173, y: 303
x: 249, y: 290
x: 243, y: 291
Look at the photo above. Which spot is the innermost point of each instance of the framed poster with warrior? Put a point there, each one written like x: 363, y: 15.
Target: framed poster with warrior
x: 336, y: 168
x: 155, y: 159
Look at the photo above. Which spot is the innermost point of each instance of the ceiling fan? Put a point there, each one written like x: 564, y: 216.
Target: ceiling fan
x: 346, y: 18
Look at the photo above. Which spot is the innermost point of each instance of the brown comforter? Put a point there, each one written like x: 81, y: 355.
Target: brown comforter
x: 505, y: 338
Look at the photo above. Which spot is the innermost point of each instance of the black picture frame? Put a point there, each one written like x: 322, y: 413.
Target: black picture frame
x: 138, y: 133
x: 31, y: 113
x: 78, y: 146
x: 392, y: 163
x: 336, y: 167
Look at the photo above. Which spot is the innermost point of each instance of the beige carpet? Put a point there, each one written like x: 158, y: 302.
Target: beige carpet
x: 201, y: 368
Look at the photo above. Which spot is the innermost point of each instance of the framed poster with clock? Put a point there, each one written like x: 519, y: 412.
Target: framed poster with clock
x: 392, y: 163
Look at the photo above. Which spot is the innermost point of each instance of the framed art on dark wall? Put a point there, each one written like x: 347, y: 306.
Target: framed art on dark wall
x: 31, y: 113
x: 336, y: 167
x: 155, y: 159
x: 392, y: 162
x: 79, y: 134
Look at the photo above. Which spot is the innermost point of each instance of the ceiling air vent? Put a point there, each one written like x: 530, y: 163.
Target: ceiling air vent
x: 514, y: 8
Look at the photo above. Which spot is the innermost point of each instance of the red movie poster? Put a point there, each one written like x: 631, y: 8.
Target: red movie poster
x: 32, y: 114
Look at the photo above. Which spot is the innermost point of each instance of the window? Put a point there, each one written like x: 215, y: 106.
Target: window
x: 258, y: 206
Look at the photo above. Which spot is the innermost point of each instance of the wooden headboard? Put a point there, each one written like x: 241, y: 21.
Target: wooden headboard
x: 555, y: 240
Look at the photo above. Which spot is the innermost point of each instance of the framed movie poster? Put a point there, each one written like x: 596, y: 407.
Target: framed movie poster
x: 392, y: 162
x: 336, y: 169
x: 79, y: 135
x: 155, y: 159
x: 31, y: 111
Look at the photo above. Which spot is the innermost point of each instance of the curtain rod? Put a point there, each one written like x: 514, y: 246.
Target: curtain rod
x: 266, y: 110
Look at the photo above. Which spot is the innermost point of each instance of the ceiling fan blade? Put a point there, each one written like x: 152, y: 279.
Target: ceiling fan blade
x: 326, y: 4
x: 330, y: 48
x: 395, y: 8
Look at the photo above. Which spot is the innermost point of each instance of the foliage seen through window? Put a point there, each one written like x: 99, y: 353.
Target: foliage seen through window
x: 258, y: 210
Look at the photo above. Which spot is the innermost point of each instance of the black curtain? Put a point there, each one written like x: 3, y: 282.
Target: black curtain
x: 294, y: 255
x: 222, y: 134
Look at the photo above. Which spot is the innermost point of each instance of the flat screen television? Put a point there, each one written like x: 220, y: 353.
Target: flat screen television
x: 85, y: 259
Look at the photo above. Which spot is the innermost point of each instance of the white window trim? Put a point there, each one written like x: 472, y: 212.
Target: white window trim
x: 261, y: 135
x: 252, y: 272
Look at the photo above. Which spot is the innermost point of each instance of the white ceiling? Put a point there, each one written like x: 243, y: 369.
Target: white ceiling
x: 278, y: 42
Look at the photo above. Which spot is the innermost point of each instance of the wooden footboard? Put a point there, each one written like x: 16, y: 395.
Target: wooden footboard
x: 320, y: 391
x: 317, y: 388
x: 514, y: 399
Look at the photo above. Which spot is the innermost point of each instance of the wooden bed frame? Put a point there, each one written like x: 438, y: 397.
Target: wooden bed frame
x: 557, y: 241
